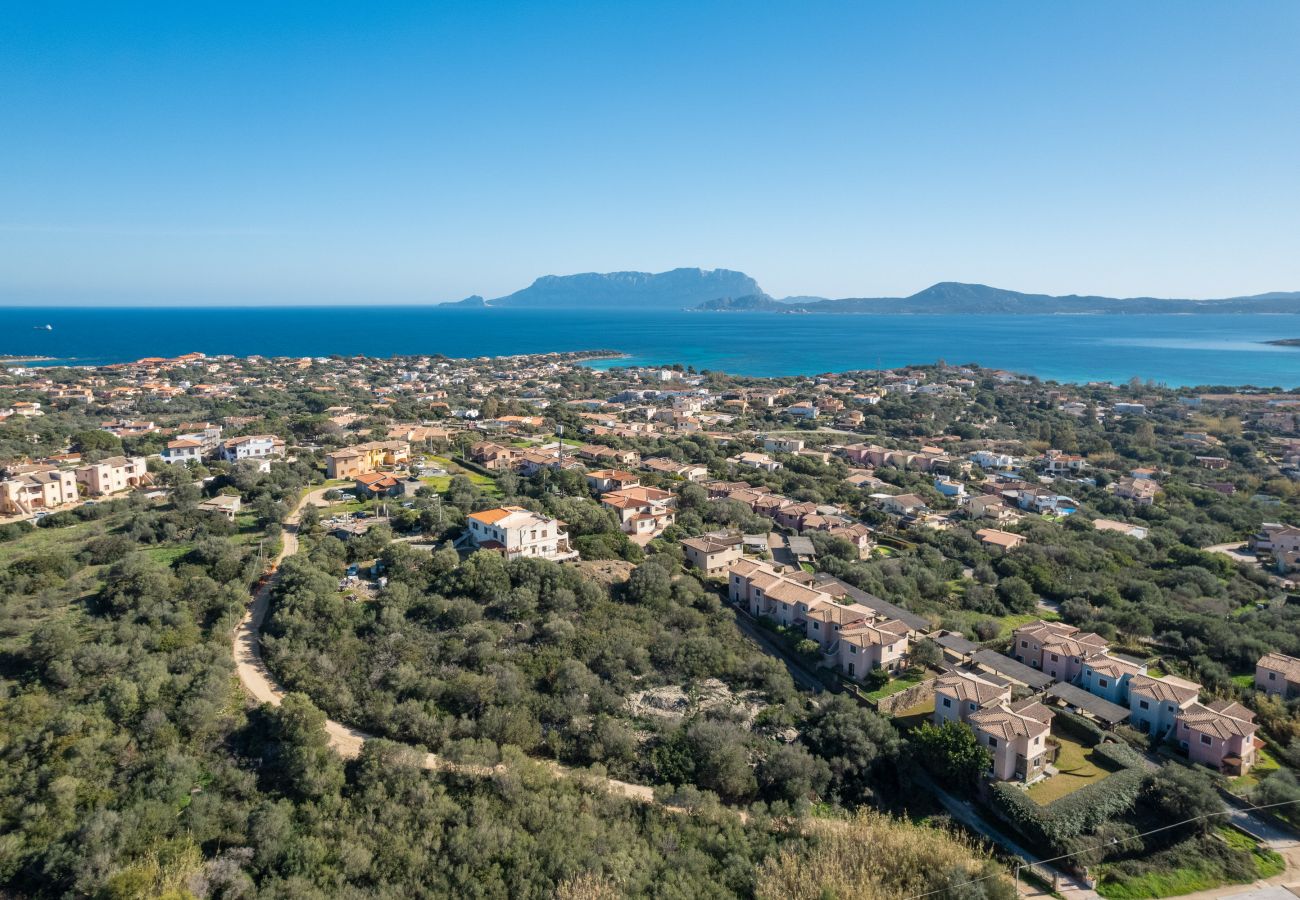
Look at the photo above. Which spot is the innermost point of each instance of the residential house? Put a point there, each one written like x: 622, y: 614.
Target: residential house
x: 713, y: 554
x: 253, y: 446
x: 1003, y: 540
x: 1134, y: 531
x: 518, y: 533
x: 1155, y: 703
x: 1275, y: 538
x: 603, y: 480
x: 182, y: 450
x: 1141, y: 491
x: 112, y: 475
x: 901, y: 504
x: 29, y: 492
x: 687, y: 471
x: 959, y: 694
x: 776, y: 444
x: 492, y: 456
x: 1219, y: 734
x: 362, y: 459
x: 755, y: 461
x: 227, y: 505
x: 949, y: 488
x: 383, y: 484
x: 643, y: 512
x: 1016, y: 736
x: 1278, y: 675
x: 1055, y: 648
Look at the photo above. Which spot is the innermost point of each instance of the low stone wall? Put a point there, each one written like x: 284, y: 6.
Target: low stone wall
x: 917, y: 693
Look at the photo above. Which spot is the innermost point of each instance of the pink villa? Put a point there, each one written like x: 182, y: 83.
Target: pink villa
x: 1219, y: 734
x: 1055, y: 648
x: 959, y: 695
x: 1016, y: 735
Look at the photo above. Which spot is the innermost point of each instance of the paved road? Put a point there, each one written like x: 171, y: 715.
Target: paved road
x: 262, y: 686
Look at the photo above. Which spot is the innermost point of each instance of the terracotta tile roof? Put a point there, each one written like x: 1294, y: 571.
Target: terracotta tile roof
x: 1288, y: 666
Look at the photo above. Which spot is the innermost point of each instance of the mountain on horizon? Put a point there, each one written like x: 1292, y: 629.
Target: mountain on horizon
x: 675, y: 290
x: 725, y: 290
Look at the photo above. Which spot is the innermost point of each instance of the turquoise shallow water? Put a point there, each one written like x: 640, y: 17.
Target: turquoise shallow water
x: 1175, y: 350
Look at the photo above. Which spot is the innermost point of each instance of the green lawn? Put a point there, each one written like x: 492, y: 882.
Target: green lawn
x: 1077, y: 766
x: 1245, y: 681
x: 894, y: 685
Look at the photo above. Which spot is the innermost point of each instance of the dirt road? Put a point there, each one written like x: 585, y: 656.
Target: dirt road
x: 262, y: 686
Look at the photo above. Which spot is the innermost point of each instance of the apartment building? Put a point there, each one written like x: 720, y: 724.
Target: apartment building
x: 1156, y: 703
x: 182, y: 450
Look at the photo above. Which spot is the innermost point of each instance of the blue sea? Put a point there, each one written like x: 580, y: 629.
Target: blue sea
x: 1175, y: 350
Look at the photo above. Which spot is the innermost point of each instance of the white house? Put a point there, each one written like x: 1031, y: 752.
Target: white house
x: 517, y: 532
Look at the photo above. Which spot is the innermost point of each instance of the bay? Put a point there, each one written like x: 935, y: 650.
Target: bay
x: 1176, y: 350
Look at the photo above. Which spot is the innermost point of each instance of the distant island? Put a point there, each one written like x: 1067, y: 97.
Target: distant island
x: 1285, y: 342
x: 725, y: 290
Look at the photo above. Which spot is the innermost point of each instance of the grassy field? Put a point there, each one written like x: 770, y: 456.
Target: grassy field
x: 1245, y: 681
x: 1077, y: 766
x: 965, y: 619
x: 440, y: 483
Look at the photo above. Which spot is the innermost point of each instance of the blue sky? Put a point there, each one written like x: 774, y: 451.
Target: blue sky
x: 385, y: 152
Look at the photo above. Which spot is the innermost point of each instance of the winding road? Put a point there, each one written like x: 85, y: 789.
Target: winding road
x: 263, y: 687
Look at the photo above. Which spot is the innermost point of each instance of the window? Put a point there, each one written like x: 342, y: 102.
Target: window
x: 1142, y: 704
x: 972, y: 707
x: 993, y: 742
x: 1272, y: 676
x: 1205, y: 739
x: 947, y: 704
x: 1055, y: 658
x: 1024, y: 643
x: 1101, y: 682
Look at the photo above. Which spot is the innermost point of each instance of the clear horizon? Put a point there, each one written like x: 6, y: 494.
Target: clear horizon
x: 324, y: 153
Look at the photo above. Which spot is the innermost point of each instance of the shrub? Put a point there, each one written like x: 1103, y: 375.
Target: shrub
x: 1078, y: 727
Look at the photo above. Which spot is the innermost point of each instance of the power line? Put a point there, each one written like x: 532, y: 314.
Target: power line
x: 1113, y: 843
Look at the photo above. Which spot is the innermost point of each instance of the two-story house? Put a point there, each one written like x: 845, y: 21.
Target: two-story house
x: 1056, y: 648
x: 1016, y: 736
x: 958, y: 695
x: 517, y: 532
x: 112, y: 475
x: 1219, y: 734
x: 1278, y: 675
x: 1155, y: 703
